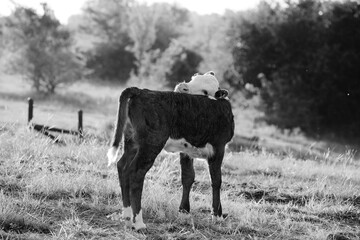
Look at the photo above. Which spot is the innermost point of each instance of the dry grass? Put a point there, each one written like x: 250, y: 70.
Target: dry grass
x: 54, y: 192
x: 49, y: 191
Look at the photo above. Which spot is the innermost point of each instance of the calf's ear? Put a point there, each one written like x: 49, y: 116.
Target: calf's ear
x: 221, y: 93
x: 210, y: 73
x: 182, y: 88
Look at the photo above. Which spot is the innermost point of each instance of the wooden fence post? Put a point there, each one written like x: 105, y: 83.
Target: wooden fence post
x: 30, y: 109
x: 46, y: 129
x: 80, y: 123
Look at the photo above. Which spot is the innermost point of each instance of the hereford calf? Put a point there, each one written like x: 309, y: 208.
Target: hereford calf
x: 196, y: 126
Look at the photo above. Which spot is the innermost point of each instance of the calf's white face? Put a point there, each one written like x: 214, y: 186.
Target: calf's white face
x: 206, y: 84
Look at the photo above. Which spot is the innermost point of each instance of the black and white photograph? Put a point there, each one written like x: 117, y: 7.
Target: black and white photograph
x: 179, y: 119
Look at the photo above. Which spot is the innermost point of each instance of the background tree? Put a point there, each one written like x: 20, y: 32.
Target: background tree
x: 153, y: 31
x: 175, y: 64
x: 134, y: 39
x: 310, y: 52
x: 44, y: 53
x: 170, y: 24
x: 107, y: 19
x: 205, y: 35
x: 111, y: 62
x: 185, y: 63
x: 107, y: 22
x: 2, y: 41
x: 142, y: 32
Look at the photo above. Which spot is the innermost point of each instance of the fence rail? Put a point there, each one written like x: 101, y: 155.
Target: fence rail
x: 46, y: 129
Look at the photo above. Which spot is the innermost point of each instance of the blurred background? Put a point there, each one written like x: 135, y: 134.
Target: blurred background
x: 292, y: 68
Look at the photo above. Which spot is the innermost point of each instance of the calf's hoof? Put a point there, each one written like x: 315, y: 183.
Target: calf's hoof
x: 138, y: 222
x: 139, y: 226
x: 127, y: 213
x: 128, y: 222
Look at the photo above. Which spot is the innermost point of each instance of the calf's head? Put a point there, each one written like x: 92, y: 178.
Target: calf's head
x: 205, y: 84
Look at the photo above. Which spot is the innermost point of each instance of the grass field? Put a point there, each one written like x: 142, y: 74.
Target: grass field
x: 49, y: 191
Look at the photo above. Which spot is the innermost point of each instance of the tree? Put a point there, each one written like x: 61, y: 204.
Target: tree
x: 108, y: 20
x: 44, y: 53
x: 152, y: 30
x: 2, y: 43
x: 111, y: 57
x: 142, y: 30
x: 169, y: 25
x: 138, y: 32
x: 185, y: 64
x: 111, y: 61
x: 166, y: 69
x: 206, y: 35
x: 310, y: 52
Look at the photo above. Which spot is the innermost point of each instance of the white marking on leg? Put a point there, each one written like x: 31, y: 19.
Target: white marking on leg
x: 112, y: 155
x: 127, y: 215
x: 139, y: 223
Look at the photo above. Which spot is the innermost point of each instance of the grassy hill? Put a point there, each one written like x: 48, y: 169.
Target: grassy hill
x: 50, y: 191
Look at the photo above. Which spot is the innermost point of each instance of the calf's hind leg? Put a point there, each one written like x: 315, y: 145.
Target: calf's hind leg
x: 128, y: 155
x: 141, y: 164
x: 215, y: 174
x: 187, y: 179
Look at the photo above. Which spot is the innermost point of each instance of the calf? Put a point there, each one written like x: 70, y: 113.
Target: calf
x: 196, y: 126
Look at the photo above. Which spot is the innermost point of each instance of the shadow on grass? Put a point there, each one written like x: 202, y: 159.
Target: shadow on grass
x: 94, y: 215
x: 63, y: 195
x: 200, y: 229
x: 343, y: 236
x: 345, y: 217
x: 253, y: 192
x: 83, y: 194
x: 21, y: 225
x: 10, y: 188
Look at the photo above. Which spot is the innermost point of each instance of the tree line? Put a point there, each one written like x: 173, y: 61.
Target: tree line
x: 302, y: 56
x: 309, y: 55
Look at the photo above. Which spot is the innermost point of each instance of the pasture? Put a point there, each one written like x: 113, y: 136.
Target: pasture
x: 50, y: 191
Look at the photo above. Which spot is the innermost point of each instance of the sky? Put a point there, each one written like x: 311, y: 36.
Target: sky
x: 66, y: 8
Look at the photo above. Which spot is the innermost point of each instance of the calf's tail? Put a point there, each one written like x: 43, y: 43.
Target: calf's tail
x: 122, y: 115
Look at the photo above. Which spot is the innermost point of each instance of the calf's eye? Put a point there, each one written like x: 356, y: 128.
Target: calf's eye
x: 205, y: 92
